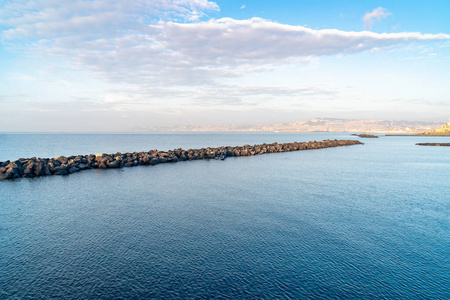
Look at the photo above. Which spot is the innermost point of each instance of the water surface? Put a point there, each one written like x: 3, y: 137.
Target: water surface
x: 368, y: 221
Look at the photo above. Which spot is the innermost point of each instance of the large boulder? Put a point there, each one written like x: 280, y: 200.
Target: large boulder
x: 29, y: 171
x: 90, y: 159
x: 145, y: 159
x: 12, y: 172
x: 153, y: 161
x: 63, y: 160
x: 40, y: 169
x: 113, y: 164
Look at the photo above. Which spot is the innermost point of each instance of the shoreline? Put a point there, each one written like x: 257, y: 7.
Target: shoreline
x: 425, y: 135
x: 433, y: 144
x: 36, y: 167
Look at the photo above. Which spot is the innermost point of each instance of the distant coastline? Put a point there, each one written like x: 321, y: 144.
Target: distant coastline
x: 443, y: 131
x: 312, y: 125
x: 418, y: 134
x: 332, y: 125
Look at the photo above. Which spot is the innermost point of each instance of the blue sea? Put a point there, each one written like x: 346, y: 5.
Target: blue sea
x: 359, y: 222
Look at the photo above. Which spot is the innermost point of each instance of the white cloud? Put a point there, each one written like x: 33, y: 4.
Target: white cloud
x: 375, y: 15
x: 243, y: 6
x: 236, y: 41
x: 202, y: 53
x: 26, y: 19
x: 130, y: 42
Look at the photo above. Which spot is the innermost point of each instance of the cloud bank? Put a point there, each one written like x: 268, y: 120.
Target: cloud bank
x: 228, y: 41
x: 162, y: 42
x: 203, y: 52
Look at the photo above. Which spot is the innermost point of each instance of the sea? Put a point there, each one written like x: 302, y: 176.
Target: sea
x: 366, y: 221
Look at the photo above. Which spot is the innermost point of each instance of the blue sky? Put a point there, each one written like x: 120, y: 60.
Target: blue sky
x: 422, y: 16
x: 109, y: 65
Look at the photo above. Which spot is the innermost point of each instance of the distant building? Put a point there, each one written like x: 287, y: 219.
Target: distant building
x: 444, y: 130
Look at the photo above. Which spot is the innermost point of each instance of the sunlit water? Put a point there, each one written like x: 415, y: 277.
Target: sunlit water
x: 367, y: 221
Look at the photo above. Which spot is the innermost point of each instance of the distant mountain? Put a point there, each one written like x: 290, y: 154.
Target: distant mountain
x: 319, y: 124
x: 349, y: 125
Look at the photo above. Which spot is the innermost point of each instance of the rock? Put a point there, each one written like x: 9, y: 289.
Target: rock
x: 39, y: 169
x: 12, y: 165
x: 162, y: 160
x: 153, y: 162
x: 28, y: 172
x: 82, y: 166
x: 72, y: 170
x: 12, y: 172
x: 56, y: 163
x: 62, y: 172
x: 9, y: 174
x: 163, y: 154
x: 63, y: 160
x: 114, y: 164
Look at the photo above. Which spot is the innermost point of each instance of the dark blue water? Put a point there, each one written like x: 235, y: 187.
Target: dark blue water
x: 369, y: 221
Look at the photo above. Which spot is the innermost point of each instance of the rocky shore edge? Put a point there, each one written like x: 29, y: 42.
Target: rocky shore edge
x: 35, y: 167
x: 419, y: 134
x: 433, y: 144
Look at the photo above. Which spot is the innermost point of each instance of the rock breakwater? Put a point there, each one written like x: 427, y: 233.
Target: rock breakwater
x: 35, y: 167
x: 366, y: 136
x: 433, y: 144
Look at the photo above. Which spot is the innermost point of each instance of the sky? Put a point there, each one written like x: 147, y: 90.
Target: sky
x: 124, y: 66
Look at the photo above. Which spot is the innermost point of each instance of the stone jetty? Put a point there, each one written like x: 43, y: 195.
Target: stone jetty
x: 366, y: 136
x: 34, y: 167
x: 433, y: 144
